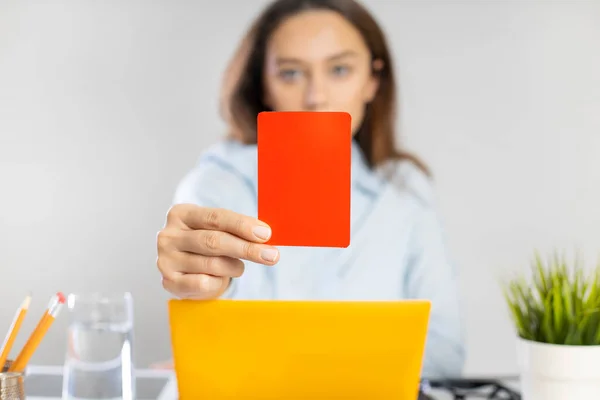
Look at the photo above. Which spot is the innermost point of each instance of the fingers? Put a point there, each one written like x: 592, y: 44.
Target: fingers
x: 214, y: 243
x: 218, y: 219
x: 173, y: 265
x: 196, y: 286
x: 190, y: 263
x: 200, y: 249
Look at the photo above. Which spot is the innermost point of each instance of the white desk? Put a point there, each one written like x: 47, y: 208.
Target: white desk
x: 169, y: 389
x: 168, y: 392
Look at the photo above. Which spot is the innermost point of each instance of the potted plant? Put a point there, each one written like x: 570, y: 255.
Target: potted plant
x: 556, y: 312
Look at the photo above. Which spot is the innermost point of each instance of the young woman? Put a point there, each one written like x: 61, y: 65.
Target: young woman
x: 315, y: 55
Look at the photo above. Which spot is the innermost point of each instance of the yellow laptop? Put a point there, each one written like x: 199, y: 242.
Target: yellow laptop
x: 298, y: 350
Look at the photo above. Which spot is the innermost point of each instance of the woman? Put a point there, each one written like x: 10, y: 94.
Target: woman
x: 315, y: 55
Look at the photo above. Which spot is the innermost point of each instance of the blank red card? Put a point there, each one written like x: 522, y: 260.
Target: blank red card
x: 304, y: 177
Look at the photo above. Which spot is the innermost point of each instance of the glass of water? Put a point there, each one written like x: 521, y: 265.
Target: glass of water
x: 99, y: 362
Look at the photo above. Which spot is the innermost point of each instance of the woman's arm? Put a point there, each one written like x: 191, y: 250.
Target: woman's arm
x: 431, y: 276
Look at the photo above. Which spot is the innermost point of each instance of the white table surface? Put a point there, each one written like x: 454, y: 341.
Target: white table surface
x: 169, y: 392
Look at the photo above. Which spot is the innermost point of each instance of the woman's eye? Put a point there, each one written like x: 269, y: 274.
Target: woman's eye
x: 289, y: 74
x: 340, y: 70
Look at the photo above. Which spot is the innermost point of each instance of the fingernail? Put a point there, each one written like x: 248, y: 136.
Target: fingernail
x: 269, y: 254
x: 262, y: 232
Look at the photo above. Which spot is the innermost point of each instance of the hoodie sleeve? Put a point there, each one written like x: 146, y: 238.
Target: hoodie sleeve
x: 431, y: 274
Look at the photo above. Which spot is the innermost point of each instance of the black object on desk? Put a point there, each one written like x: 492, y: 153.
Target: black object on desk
x: 465, y: 389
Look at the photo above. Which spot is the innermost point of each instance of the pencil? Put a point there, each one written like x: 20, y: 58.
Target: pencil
x: 38, y: 333
x: 13, y: 331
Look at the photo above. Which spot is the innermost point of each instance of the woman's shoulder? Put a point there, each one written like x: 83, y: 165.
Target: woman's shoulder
x: 224, y: 172
x: 230, y: 154
x: 407, y: 177
x: 418, y: 202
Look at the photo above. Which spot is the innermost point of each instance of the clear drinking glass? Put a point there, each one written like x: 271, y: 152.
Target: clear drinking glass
x: 99, y: 362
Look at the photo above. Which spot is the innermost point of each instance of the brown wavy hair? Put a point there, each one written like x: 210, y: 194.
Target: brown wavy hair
x: 242, y: 90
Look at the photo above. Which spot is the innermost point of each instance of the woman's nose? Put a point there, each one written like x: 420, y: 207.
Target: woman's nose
x: 316, y: 95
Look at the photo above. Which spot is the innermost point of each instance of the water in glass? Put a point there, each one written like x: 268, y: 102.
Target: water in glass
x: 99, y: 362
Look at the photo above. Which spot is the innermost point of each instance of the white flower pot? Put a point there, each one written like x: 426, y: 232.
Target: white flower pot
x: 556, y: 372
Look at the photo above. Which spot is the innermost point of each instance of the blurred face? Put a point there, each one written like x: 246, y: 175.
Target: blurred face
x: 318, y: 61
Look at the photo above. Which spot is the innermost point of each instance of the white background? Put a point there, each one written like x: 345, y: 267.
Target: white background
x: 105, y: 105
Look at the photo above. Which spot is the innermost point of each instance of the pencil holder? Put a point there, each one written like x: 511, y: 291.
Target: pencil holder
x: 11, y: 384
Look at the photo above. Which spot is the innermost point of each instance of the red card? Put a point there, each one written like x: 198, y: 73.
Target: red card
x: 304, y: 177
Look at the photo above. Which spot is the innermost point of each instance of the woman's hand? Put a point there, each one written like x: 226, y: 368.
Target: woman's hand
x: 200, y: 249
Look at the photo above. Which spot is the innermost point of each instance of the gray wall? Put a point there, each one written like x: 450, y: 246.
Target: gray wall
x: 105, y: 105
